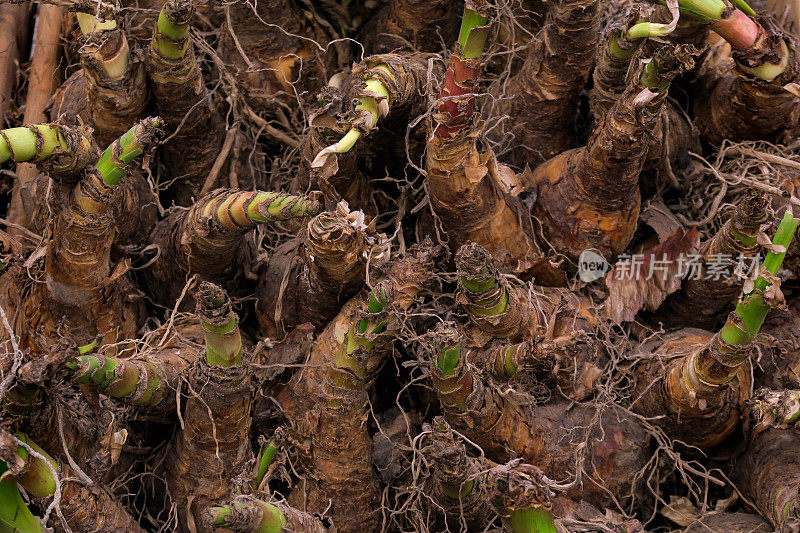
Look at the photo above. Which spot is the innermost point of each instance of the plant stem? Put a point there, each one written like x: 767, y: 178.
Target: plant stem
x: 36, y: 478
x: 448, y: 360
x: 367, y: 104
x: 14, y: 514
x: 752, y: 308
x: 221, y: 326
x: 471, y: 40
x: 532, y: 520
x: 33, y: 143
x: 113, y: 160
x: 734, y: 24
x: 90, y: 24
x: 119, y: 378
x: 171, y: 31
x: 272, y: 519
x: 235, y: 210
x: 644, y: 30
x: 264, y: 462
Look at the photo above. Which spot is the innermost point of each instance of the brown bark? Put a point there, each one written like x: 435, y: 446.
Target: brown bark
x: 588, y: 198
x: 740, y: 106
x: 767, y: 474
x: 185, y: 104
x: 543, y: 96
x: 694, y: 387
x: 328, y: 402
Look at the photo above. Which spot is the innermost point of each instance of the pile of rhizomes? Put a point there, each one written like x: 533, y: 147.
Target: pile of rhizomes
x: 420, y: 266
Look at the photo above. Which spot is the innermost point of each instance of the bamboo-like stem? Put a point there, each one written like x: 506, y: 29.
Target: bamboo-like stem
x: 221, y: 326
x: 696, y: 400
x: 589, y: 197
x: 240, y: 210
x: 245, y: 514
x: 33, y: 143
x: 264, y: 461
x: 94, y: 191
x: 227, y: 516
x: 736, y: 25
x: 36, y: 477
x: 172, y: 29
x: 135, y: 382
x: 131, y: 145
x: 116, y: 83
x: 78, y: 254
x: 493, y: 305
x: 619, y: 45
x: 753, y: 308
x: 196, y: 127
x: 522, y: 499
x: 719, y: 362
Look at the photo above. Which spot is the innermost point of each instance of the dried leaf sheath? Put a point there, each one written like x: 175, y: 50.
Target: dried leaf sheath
x: 116, y: 83
x: 589, y: 197
x: 213, y: 449
x: 753, y: 96
x: 544, y: 94
x: 324, y: 270
x: 328, y: 402
x: 183, y: 101
x: 545, y: 436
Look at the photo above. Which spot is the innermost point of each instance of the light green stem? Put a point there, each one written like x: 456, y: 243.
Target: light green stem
x: 532, y: 520
x: 643, y: 30
x: 131, y: 145
x: 22, y: 144
x: 37, y: 477
x: 752, y: 308
x: 14, y: 514
x: 169, y: 36
x: 705, y: 10
x: 272, y: 520
x: 472, y: 42
x: 223, y: 339
x: 90, y: 24
x: 448, y: 360
x: 264, y: 462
